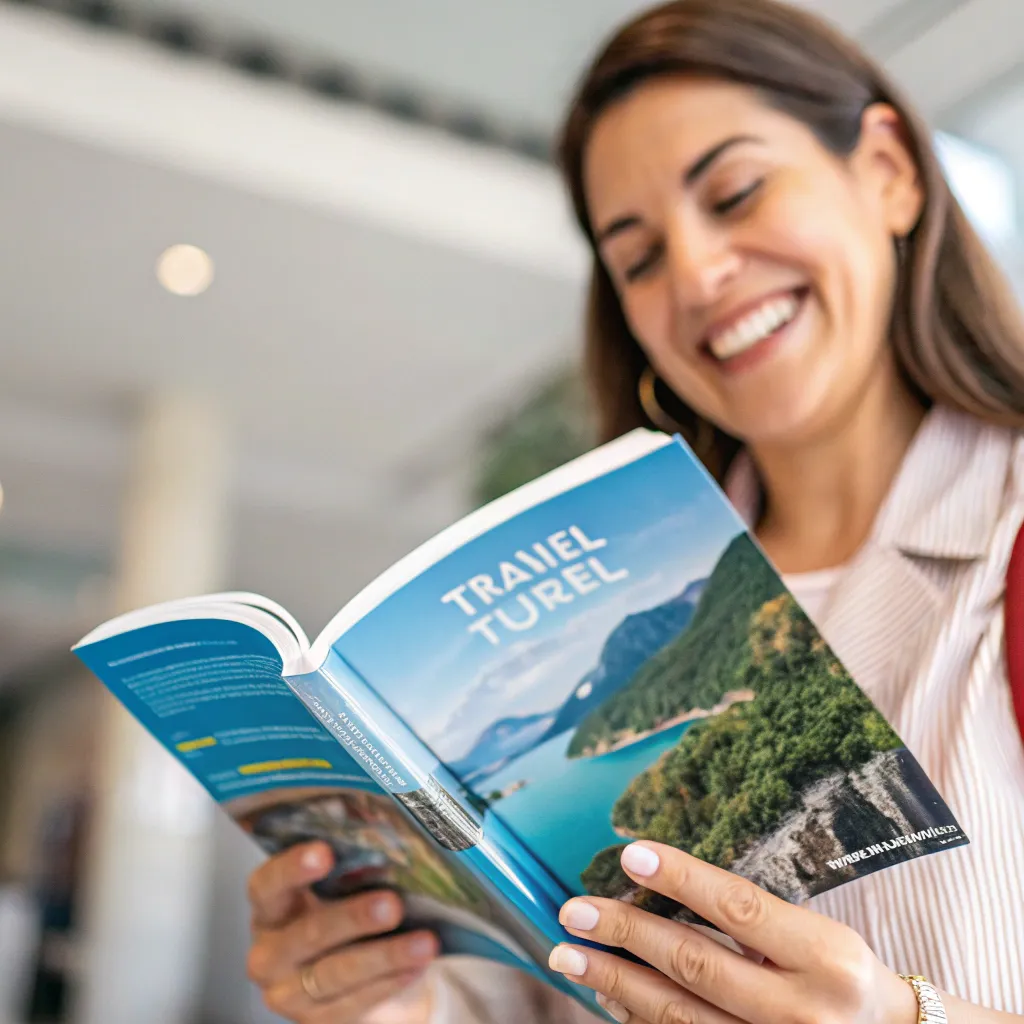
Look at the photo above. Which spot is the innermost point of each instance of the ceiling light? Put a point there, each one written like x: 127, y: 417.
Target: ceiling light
x: 185, y: 270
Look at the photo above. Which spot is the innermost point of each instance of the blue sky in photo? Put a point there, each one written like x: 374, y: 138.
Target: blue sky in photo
x: 665, y: 523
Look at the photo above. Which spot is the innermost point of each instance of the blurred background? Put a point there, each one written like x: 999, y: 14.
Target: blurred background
x: 285, y: 287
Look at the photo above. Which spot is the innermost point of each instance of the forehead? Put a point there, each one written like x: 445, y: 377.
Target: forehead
x: 665, y: 125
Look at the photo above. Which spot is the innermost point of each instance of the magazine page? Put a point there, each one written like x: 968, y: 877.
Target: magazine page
x: 212, y: 692
x: 622, y: 662
x: 524, y: 898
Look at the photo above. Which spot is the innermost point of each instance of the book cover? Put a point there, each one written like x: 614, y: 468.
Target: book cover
x: 622, y: 662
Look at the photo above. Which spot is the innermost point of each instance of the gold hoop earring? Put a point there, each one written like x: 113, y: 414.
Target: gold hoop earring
x: 702, y: 444
x: 651, y: 406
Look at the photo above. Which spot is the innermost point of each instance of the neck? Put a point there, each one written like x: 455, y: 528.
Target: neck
x: 822, y: 496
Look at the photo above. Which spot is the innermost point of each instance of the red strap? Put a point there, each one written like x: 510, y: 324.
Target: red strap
x: 1013, y: 610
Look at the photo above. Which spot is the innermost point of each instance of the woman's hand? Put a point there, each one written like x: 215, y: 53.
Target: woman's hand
x: 815, y: 971
x: 310, y: 958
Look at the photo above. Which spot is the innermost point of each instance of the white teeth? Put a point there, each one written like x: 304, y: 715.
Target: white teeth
x: 754, y: 327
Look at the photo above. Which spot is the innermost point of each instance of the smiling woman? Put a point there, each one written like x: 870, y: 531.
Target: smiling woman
x: 756, y: 139
x: 759, y: 277
x: 781, y: 273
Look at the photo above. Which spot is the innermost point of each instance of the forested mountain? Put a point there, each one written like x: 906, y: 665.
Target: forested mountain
x: 733, y: 777
x: 706, y: 662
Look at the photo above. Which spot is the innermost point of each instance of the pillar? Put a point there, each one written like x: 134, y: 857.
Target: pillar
x: 149, y: 860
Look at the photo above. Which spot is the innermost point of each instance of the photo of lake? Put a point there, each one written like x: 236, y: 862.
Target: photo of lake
x: 564, y: 811
x: 738, y: 738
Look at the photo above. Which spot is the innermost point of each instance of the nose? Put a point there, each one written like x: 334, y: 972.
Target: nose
x: 701, y: 263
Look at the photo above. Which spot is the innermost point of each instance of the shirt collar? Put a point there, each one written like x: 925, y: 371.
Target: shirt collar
x: 946, y: 498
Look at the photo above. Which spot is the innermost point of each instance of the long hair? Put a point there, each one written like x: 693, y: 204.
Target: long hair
x: 955, y: 326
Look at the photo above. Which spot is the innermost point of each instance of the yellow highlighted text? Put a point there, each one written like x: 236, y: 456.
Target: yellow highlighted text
x: 189, y: 745
x: 279, y: 766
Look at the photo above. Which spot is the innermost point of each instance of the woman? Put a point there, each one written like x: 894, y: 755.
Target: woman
x: 781, y: 271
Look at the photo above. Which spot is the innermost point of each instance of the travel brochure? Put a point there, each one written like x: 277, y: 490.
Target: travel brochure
x: 601, y: 656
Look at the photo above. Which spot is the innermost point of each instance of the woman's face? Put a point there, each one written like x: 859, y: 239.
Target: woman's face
x: 754, y: 267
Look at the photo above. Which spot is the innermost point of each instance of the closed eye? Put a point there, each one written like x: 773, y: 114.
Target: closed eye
x: 737, y: 198
x: 645, y: 264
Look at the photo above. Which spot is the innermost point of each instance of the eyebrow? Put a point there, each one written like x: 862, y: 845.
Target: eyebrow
x: 693, y: 173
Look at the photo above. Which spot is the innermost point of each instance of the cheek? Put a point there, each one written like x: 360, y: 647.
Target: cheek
x: 649, y: 315
x: 845, y: 253
x: 652, y: 317
x: 798, y: 230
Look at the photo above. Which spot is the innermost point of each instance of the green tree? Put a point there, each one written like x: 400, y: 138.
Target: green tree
x: 604, y: 874
x: 553, y: 426
x: 732, y: 778
x: 707, y: 660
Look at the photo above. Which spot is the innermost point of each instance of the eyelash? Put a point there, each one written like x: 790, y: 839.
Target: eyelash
x: 734, y: 201
x: 737, y: 198
x: 645, y: 263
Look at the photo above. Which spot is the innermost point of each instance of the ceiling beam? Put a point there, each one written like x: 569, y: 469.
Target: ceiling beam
x: 277, y: 141
x: 965, y: 49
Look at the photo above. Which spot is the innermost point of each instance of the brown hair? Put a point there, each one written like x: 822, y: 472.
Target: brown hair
x: 956, y: 330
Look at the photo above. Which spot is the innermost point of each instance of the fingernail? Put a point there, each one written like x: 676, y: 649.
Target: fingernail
x: 567, y: 960
x: 313, y: 859
x: 613, y: 1009
x: 640, y: 860
x: 579, y: 915
x: 751, y: 954
x: 421, y: 947
x: 382, y: 911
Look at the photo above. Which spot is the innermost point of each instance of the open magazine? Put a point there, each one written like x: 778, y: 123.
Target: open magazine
x: 603, y: 655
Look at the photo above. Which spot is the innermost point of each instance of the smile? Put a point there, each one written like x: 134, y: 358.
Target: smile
x: 754, y: 327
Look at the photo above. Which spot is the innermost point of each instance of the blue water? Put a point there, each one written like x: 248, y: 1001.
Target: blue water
x: 564, y: 812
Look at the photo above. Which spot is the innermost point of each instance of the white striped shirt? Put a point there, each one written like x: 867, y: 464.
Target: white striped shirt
x: 937, y: 671
x: 916, y: 617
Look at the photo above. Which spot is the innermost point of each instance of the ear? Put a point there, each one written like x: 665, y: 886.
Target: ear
x: 886, y: 166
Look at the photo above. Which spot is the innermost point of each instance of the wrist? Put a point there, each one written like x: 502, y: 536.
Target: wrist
x: 929, y: 1005
x: 900, y: 1005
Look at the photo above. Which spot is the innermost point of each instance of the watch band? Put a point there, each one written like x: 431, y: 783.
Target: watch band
x: 929, y: 1003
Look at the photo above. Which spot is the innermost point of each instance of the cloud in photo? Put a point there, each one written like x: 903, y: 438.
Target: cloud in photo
x: 517, y: 685
x: 534, y: 676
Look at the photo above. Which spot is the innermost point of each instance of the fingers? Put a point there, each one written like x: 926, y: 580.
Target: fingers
x: 632, y: 992
x: 355, y: 1005
x: 693, y: 961
x: 353, y: 980
x: 788, y: 936
x: 297, y: 958
x: 277, y: 886
x: 619, y: 1012
x: 276, y: 954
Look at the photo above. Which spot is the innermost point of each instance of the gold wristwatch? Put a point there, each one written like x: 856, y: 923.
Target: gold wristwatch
x: 929, y: 1004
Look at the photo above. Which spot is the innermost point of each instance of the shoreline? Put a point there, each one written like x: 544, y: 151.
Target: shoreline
x: 507, y: 791
x: 693, y: 715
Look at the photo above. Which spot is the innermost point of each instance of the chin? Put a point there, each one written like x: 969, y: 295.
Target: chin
x: 791, y: 409
x: 777, y: 424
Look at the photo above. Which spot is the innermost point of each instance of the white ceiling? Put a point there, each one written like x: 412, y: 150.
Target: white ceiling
x: 349, y: 361
x: 356, y: 362
x: 316, y: 328
x: 357, y: 359
x: 514, y: 59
